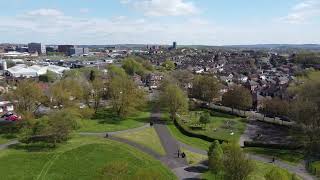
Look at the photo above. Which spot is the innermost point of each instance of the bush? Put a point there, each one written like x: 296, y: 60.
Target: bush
x: 277, y: 174
x: 51, y: 129
x: 236, y: 164
x: 215, y: 154
x: 87, y: 113
x: 205, y: 118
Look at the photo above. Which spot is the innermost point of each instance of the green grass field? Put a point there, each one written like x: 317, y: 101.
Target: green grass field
x: 5, y: 138
x: 289, y: 156
x: 80, y: 158
x: 107, y: 121
x: 194, y: 158
x: 221, y: 126
x: 260, y: 171
x: 147, y: 137
x: 195, y: 142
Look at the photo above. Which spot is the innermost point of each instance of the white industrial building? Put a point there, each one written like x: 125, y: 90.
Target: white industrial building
x: 22, y: 70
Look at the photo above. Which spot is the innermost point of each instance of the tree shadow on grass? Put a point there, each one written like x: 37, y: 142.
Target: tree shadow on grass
x: 108, y: 116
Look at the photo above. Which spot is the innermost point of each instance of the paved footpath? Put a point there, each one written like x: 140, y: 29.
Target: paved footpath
x: 179, y: 166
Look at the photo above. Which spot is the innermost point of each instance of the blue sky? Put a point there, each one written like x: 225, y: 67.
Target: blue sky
x: 208, y: 22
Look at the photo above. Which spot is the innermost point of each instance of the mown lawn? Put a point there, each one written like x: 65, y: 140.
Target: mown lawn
x: 259, y: 173
x: 221, y: 126
x: 289, y: 156
x: 195, y: 142
x: 81, y: 158
x: 106, y: 121
x: 147, y: 137
x: 4, y: 138
x: 7, y: 132
x: 194, y: 158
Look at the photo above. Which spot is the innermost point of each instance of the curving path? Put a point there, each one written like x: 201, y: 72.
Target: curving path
x: 6, y: 145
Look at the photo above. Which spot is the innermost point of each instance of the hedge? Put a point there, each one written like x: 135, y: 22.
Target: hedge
x: 272, y: 145
x: 195, y: 135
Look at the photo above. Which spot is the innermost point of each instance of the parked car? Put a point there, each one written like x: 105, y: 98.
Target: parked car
x: 13, y: 118
x: 7, y: 114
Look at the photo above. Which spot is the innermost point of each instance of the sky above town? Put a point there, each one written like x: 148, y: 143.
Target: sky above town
x: 189, y: 22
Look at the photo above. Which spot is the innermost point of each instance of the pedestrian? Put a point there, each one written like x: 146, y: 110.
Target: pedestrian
x: 273, y: 160
x: 178, y: 153
x: 107, y: 135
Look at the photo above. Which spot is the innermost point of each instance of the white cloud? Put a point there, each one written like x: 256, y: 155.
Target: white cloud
x: 45, y: 12
x: 303, y: 12
x: 57, y: 28
x: 163, y: 7
x: 84, y: 10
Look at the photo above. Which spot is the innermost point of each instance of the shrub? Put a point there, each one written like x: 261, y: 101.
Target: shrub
x: 277, y: 174
x: 87, y: 113
x: 236, y: 164
x: 205, y: 118
x: 215, y: 154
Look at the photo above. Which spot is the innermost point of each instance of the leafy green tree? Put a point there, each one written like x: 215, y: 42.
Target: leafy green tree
x: 66, y: 92
x: 133, y: 67
x: 305, y: 109
x: 48, y: 77
x: 277, y: 174
x: 168, y: 65
x: 126, y: 97
x: 238, y: 97
x: 237, y: 166
x: 215, y: 155
x: 205, y: 118
x: 205, y: 87
x: 173, y: 98
x: 27, y: 96
x: 114, y: 71
x: 51, y: 129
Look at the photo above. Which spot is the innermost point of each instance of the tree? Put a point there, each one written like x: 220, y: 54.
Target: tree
x: 168, y: 65
x: 305, y: 109
x: 237, y: 166
x: 205, y: 118
x: 277, y: 174
x: 48, y: 77
x: 215, y: 155
x: 276, y: 107
x: 98, y: 89
x: 51, y: 129
x: 184, y: 77
x: 205, y: 87
x: 27, y: 96
x: 65, y: 92
x: 133, y: 67
x: 238, y: 97
x: 126, y: 97
x: 174, y: 99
